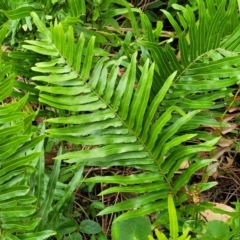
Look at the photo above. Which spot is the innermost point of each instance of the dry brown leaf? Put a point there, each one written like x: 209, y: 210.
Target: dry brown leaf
x: 234, y: 109
x: 224, y: 142
x: 215, y: 131
x: 215, y: 175
x: 184, y: 165
x: 218, y: 152
x: 229, y: 163
x: 203, y: 155
x: 178, y: 56
x: 229, y: 129
x: 209, y: 215
x: 228, y: 117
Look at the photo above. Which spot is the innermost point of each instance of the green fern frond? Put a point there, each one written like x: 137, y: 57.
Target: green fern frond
x: 118, y: 121
x: 19, y: 154
x: 208, y: 54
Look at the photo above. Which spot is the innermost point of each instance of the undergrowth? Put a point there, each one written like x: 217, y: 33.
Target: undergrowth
x: 118, y: 114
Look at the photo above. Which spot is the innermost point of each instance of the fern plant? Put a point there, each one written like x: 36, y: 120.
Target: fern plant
x: 119, y: 120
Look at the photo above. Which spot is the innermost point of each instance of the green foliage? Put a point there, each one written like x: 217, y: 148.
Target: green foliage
x: 90, y: 227
x: 215, y: 230
x: 141, y: 117
x: 20, y: 150
x: 134, y: 228
x: 173, y: 225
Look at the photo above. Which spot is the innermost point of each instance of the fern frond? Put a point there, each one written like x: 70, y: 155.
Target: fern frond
x: 118, y: 122
x: 208, y: 50
x: 19, y: 154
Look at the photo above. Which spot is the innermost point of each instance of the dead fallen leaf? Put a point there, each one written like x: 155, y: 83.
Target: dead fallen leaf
x: 229, y: 163
x: 215, y: 175
x: 178, y: 56
x: 230, y: 117
x: 224, y: 142
x: 209, y: 215
x: 229, y: 129
x: 234, y: 109
x: 218, y: 152
x: 184, y: 165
